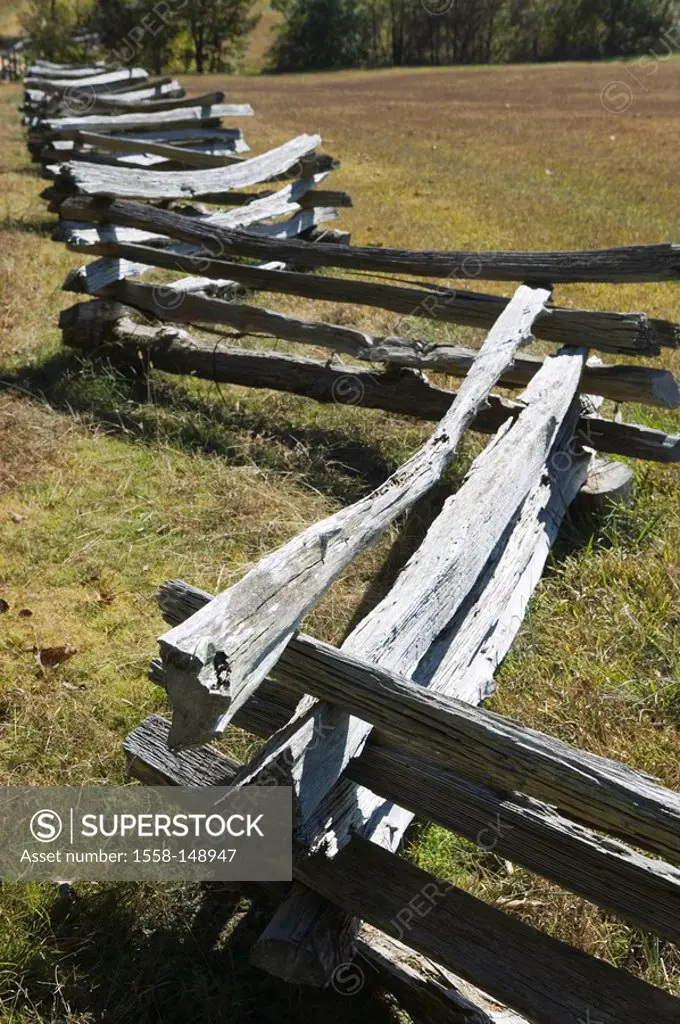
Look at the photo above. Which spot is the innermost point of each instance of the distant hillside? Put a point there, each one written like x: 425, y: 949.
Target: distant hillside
x: 262, y: 38
x: 9, y: 17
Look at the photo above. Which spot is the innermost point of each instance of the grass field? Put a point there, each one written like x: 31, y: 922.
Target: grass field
x: 107, y: 487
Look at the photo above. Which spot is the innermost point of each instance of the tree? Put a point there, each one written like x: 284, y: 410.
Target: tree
x: 320, y: 34
x: 139, y: 31
x: 219, y: 30
x: 50, y: 24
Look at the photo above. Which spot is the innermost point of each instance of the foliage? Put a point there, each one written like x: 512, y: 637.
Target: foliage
x: 218, y: 30
x: 51, y: 24
x: 337, y: 33
x: 211, y: 33
x: 320, y: 34
x: 138, y: 31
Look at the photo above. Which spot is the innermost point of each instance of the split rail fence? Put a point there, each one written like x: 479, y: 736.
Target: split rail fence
x: 389, y: 725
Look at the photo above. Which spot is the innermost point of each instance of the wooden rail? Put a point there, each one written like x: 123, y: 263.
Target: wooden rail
x: 216, y: 661
x: 643, y: 891
x: 544, y: 979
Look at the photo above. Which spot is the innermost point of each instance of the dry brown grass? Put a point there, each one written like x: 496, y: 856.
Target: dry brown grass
x: 128, y: 485
x: 261, y: 39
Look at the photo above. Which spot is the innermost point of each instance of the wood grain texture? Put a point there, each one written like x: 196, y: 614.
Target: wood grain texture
x: 400, y: 391
x: 620, y: 383
x: 430, y: 590
x: 640, y: 890
x: 487, y: 748
x: 546, y: 980
x: 186, y: 117
x: 427, y: 991
x: 634, y: 263
x: 103, y: 181
x: 473, y: 614
x: 615, y: 332
x: 216, y: 660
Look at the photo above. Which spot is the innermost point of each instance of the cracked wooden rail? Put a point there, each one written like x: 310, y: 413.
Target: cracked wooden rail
x: 185, y: 117
x: 632, y: 263
x: 217, y: 659
x: 433, y: 593
x: 620, y: 383
x: 102, y: 323
x: 195, y: 184
x: 641, y: 890
x: 540, y: 977
x: 430, y: 591
x: 487, y: 748
x: 297, y: 954
x: 634, y: 333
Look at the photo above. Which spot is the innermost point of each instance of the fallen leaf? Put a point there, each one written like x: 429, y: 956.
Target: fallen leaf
x: 25, y: 613
x: 50, y: 657
x: 4, y: 606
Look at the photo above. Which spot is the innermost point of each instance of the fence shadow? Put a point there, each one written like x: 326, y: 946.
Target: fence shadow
x: 132, y: 953
x: 331, y: 461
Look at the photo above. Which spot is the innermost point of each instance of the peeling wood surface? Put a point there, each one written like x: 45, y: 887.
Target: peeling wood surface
x: 216, y: 660
x: 542, y: 978
x: 96, y: 180
x: 185, y: 117
x: 402, y: 392
x: 623, y: 332
x: 430, y: 590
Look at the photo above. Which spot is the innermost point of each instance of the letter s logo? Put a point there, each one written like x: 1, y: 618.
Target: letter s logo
x: 46, y: 826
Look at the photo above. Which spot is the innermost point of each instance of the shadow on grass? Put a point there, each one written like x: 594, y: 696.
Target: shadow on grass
x: 172, y: 953
x: 30, y: 225
x: 161, y: 411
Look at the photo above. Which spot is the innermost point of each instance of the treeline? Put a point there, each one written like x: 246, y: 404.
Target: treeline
x: 212, y: 35
x: 349, y: 33
x: 201, y: 35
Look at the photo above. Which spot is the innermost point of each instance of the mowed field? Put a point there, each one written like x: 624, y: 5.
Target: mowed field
x: 109, y: 485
